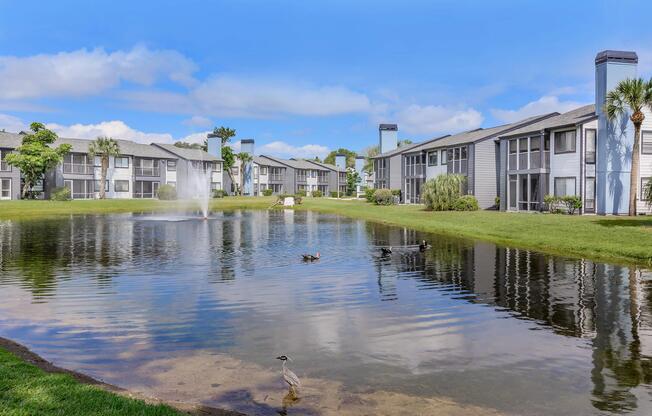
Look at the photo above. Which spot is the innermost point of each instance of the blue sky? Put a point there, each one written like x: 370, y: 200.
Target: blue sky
x: 302, y: 77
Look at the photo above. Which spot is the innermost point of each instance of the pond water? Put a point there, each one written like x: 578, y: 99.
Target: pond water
x: 197, y: 311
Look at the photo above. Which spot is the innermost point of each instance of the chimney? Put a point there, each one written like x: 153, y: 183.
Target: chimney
x: 214, y: 145
x: 359, y: 164
x: 247, y: 146
x: 615, y: 138
x: 388, y: 137
x: 340, y: 160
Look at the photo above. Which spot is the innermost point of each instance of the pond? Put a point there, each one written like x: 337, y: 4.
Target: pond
x: 197, y: 311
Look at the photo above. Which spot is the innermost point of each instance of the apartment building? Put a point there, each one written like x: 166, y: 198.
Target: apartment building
x: 472, y: 154
x: 187, y: 166
x: 137, y: 172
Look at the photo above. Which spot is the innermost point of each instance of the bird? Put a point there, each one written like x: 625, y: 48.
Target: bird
x: 424, y: 245
x: 386, y: 250
x: 311, y: 257
x: 288, y: 376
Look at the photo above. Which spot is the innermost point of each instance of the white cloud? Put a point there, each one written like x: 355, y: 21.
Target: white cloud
x: 545, y: 104
x: 435, y: 119
x: 286, y: 150
x: 88, y: 72
x: 11, y: 123
x: 198, y: 121
x: 223, y: 96
x: 116, y: 129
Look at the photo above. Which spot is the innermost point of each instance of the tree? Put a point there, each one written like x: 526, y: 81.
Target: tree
x: 352, y: 180
x: 104, y: 147
x: 228, y: 157
x: 184, y: 145
x: 370, y: 152
x: 34, y: 157
x: 404, y: 142
x: 631, y: 95
x: 350, y: 157
x: 244, y: 158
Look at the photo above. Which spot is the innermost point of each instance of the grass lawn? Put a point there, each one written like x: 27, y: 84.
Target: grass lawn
x: 26, y: 390
x: 616, y: 239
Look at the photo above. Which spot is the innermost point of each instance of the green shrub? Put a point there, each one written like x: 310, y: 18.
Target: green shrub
x: 497, y: 202
x: 268, y: 192
x: 573, y: 203
x: 317, y: 193
x: 466, y: 203
x: 219, y: 193
x: 60, y: 194
x: 166, y: 192
x: 334, y: 194
x: 383, y: 197
x: 396, y: 192
x: 301, y: 192
x: 440, y: 193
x: 369, y: 194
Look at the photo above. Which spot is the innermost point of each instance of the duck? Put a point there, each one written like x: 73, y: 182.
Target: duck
x: 424, y: 245
x: 311, y: 257
x: 386, y: 251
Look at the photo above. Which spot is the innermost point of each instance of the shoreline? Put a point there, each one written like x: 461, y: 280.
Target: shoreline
x: 28, y: 356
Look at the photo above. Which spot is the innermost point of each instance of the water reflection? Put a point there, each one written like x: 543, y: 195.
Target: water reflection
x: 491, y: 326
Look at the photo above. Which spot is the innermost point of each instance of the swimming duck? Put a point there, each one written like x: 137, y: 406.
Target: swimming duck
x: 424, y: 245
x: 311, y: 257
x: 386, y: 250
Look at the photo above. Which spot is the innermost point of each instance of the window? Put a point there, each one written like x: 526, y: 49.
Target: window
x: 217, y: 167
x: 432, y: 158
x: 646, y: 142
x: 644, y: 182
x: 4, y: 165
x: 263, y: 170
x: 522, y: 153
x: 444, y: 159
x: 121, y: 186
x: 216, y: 186
x: 512, y: 191
x: 234, y: 170
x: 172, y: 165
x: 5, y: 188
x: 565, y: 186
x: 513, y: 146
x: 535, y: 152
x: 97, y: 186
x: 449, y: 155
x: 565, y: 141
x: 590, y: 146
x: 589, y: 199
x: 145, y: 189
x: 121, y: 162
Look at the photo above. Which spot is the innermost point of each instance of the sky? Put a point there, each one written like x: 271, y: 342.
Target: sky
x: 302, y: 78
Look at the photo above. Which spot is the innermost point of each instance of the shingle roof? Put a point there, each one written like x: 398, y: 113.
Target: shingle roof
x: 188, y: 154
x: 127, y: 147
x: 327, y: 166
x: 293, y: 163
x: 571, y: 118
x: 407, y: 147
x: 265, y: 161
x: 476, y: 135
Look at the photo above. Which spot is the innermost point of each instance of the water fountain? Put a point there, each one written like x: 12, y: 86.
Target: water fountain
x: 199, y: 181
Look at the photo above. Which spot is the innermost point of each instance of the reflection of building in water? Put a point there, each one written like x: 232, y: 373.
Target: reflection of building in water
x: 609, y: 305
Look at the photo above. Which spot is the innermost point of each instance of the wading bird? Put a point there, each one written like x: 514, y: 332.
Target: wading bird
x: 310, y: 257
x: 386, y: 250
x: 289, y: 377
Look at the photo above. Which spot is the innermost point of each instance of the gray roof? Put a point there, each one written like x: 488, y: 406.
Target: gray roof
x: 616, y: 56
x: 477, y: 135
x: 327, y: 166
x: 572, y: 118
x: 293, y: 163
x: 407, y: 147
x: 127, y: 147
x: 188, y: 154
x: 387, y: 127
x: 265, y: 161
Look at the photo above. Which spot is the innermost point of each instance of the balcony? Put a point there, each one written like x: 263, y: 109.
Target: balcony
x: 382, y: 173
x: 415, y: 170
x: 78, y: 169
x: 153, y: 171
x: 322, y: 179
x: 302, y: 178
x: 4, y: 166
x: 276, y: 178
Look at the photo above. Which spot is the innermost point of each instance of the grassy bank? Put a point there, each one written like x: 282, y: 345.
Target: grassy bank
x: 27, y: 390
x: 617, y: 239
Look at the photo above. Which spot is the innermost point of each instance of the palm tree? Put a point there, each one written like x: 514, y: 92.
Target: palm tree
x: 631, y: 95
x: 104, y: 147
x: 244, y: 158
x: 228, y: 158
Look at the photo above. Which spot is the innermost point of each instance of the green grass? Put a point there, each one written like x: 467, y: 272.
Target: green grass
x: 614, y: 239
x: 26, y: 390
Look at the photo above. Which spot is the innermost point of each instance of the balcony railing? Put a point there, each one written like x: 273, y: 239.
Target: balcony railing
x: 4, y: 166
x: 301, y: 178
x: 322, y: 179
x: 144, y: 195
x: 154, y: 171
x: 78, y: 169
x: 276, y: 178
